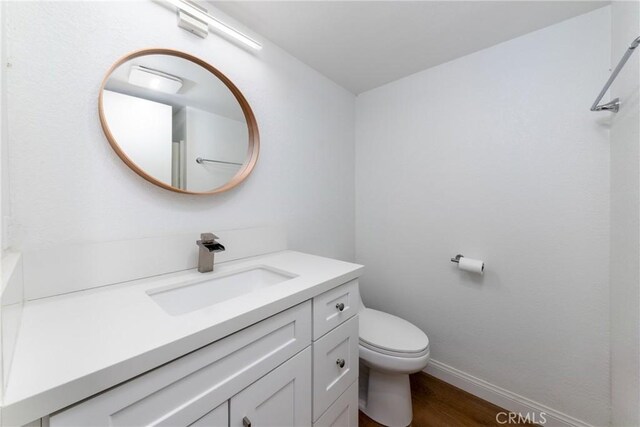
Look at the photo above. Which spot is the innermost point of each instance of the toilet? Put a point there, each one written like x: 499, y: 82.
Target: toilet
x: 390, y: 349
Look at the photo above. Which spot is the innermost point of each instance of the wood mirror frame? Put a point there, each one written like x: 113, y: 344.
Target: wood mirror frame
x: 252, y: 126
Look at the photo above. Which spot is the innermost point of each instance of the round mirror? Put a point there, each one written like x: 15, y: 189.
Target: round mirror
x: 178, y: 122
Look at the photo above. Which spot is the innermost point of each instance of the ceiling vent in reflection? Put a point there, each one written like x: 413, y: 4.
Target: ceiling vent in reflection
x: 154, y: 79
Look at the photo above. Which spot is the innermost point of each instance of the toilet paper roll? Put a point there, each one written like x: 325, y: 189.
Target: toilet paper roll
x: 471, y: 265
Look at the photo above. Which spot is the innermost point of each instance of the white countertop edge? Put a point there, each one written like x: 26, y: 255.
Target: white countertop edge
x: 38, y: 405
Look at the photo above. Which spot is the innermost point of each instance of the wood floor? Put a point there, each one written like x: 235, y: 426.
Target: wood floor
x: 438, y: 404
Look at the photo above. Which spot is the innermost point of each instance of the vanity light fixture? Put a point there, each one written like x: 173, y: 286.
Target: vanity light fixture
x: 192, y: 24
x: 198, y: 14
x: 154, y: 79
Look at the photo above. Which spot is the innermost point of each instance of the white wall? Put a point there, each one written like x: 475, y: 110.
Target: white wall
x: 496, y: 156
x: 67, y: 183
x: 3, y: 168
x: 144, y: 136
x: 4, y: 140
x: 625, y: 221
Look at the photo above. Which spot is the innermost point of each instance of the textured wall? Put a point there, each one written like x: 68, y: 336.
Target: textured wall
x: 496, y: 156
x: 67, y: 184
x: 4, y: 140
x: 625, y: 221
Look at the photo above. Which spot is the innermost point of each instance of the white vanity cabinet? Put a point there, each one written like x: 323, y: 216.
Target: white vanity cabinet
x: 277, y: 372
x: 181, y: 392
x: 335, y: 356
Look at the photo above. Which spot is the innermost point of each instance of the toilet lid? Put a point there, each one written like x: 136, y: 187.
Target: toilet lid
x: 391, y: 333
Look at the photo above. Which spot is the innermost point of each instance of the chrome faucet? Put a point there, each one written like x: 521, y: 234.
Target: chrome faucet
x: 208, y: 247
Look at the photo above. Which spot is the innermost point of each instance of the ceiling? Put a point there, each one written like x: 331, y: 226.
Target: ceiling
x: 365, y: 44
x: 200, y: 89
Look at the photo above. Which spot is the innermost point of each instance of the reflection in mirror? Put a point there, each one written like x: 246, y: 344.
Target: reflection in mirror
x: 177, y: 123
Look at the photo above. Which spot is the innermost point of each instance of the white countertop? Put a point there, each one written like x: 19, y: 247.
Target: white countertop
x: 75, y: 345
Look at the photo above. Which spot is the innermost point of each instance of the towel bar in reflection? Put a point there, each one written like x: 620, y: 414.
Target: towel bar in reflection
x: 200, y: 160
x: 614, y: 105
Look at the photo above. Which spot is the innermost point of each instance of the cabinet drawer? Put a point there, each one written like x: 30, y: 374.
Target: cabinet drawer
x: 219, y: 417
x: 335, y: 365
x: 343, y: 412
x: 334, y: 307
x: 181, y: 392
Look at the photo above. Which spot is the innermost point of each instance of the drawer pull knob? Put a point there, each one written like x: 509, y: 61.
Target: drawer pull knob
x: 340, y: 362
x: 340, y: 306
x: 246, y: 422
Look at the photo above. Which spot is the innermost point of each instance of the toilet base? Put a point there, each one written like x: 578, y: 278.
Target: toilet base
x: 388, y: 398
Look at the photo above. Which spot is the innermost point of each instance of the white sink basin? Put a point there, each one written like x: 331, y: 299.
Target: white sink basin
x: 186, y: 297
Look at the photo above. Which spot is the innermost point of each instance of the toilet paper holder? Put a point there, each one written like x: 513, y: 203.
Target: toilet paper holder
x: 469, y: 264
x: 457, y: 258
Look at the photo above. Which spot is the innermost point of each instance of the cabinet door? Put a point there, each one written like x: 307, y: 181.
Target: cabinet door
x: 281, y: 398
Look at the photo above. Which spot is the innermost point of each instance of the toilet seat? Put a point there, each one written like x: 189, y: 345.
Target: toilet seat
x: 388, y: 334
x: 392, y: 364
x: 393, y: 353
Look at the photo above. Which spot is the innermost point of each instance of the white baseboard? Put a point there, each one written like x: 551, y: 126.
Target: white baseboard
x: 501, y: 397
